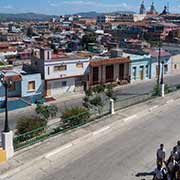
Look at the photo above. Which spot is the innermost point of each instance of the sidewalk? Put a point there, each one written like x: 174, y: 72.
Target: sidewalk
x: 26, y: 157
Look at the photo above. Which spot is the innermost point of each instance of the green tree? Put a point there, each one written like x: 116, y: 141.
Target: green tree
x: 88, y: 38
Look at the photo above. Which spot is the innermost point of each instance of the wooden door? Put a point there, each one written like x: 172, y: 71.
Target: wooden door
x: 109, y: 73
x: 141, y: 73
x: 95, y: 75
x: 49, y: 90
x: 121, y: 72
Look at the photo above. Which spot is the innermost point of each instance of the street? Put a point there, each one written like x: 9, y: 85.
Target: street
x: 118, y: 154
x: 122, y: 93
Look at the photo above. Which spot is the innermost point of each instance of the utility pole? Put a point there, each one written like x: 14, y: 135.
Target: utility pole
x: 159, y: 64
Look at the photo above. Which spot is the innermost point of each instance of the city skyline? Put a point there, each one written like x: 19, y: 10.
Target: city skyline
x: 56, y: 7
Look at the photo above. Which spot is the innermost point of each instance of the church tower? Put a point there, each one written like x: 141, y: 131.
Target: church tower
x: 153, y: 9
x: 142, y: 8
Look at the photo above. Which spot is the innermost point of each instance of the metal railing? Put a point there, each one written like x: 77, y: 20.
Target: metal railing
x: 43, y: 133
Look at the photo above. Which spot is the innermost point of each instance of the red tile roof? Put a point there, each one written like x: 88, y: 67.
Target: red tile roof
x: 119, y: 60
x: 13, y: 78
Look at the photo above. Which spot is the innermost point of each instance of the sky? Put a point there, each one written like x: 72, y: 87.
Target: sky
x: 59, y: 7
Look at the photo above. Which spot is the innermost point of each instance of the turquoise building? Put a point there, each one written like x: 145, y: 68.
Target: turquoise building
x: 140, y: 66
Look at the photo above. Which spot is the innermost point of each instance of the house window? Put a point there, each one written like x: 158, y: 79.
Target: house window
x: 134, y: 73
x: 64, y: 83
x: 60, y: 68
x: 147, y: 71
x: 48, y: 70
x: 48, y: 55
x: 12, y: 87
x: 165, y: 69
x: 79, y: 65
x: 175, y: 66
x: 31, y: 85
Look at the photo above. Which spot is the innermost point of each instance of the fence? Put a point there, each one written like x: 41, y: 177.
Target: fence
x: 43, y: 133
x: 37, y: 135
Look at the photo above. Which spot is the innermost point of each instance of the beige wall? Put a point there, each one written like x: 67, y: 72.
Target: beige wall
x: 175, y: 60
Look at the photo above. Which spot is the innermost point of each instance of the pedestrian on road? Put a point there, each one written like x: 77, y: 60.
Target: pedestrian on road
x: 160, y: 155
x: 172, y: 167
x: 178, y: 147
x: 158, y: 173
x: 175, y: 154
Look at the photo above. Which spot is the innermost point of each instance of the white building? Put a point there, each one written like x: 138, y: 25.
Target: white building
x: 61, y: 74
x: 105, y: 19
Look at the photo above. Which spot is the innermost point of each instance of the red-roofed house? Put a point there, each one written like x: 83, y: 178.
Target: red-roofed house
x: 109, y: 70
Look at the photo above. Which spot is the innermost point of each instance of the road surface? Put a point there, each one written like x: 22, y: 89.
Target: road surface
x: 120, y: 154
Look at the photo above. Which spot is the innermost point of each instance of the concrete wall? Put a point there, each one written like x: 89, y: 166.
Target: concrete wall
x: 154, y: 64
x: 57, y: 88
x: 72, y: 70
x: 38, y: 85
x: 140, y: 62
x: 138, y: 65
x: 175, y: 63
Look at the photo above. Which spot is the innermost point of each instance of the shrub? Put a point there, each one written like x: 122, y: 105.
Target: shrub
x: 75, y: 116
x: 167, y: 89
x: 88, y: 92
x: 99, y: 89
x: 156, y: 90
x: 178, y: 86
x: 46, y: 112
x: 29, y: 124
x: 97, y: 101
x: 110, y: 92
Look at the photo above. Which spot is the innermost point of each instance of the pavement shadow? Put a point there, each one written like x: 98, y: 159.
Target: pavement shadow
x: 143, y: 174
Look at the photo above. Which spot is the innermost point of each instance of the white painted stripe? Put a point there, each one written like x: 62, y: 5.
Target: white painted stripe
x: 130, y: 117
x: 154, y: 107
x: 101, y: 130
x: 170, y: 101
x: 56, y: 151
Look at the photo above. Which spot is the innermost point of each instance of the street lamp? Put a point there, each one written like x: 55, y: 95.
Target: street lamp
x: 162, y: 79
x: 6, y: 85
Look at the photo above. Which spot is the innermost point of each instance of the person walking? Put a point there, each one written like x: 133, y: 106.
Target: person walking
x: 161, y: 154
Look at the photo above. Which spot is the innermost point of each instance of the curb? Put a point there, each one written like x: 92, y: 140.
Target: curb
x: 66, y: 146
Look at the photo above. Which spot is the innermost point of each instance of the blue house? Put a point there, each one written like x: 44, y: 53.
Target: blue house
x: 140, y: 66
x: 24, y: 90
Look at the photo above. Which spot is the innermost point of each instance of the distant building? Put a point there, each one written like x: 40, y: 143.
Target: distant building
x: 153, y: 9
x: 142, y: 8
x: 105, y: 19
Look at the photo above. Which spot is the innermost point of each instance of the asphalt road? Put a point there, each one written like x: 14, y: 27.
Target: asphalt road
x: 120, y: 154
x: 122, y: 93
